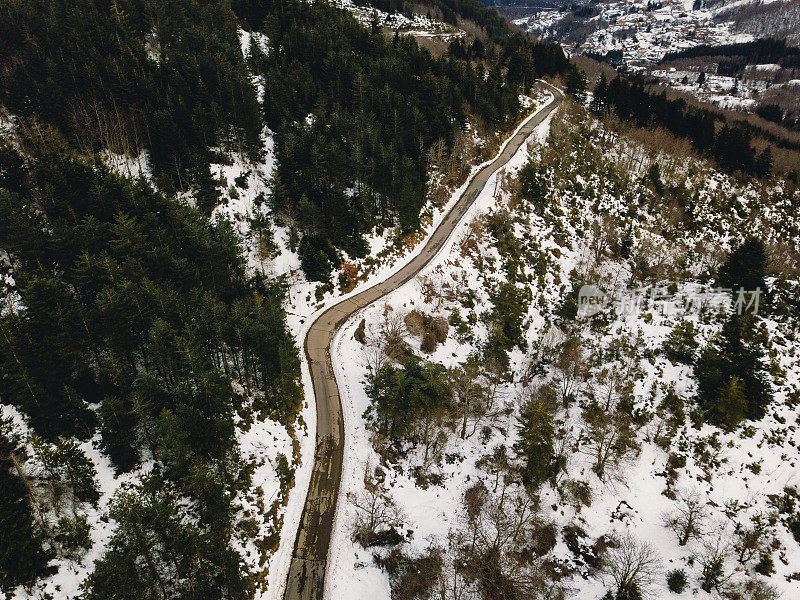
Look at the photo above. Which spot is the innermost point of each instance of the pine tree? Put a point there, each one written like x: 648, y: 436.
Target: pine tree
x: 764, y: 162
x: 23, y: 558
x: 159, y: 551
x: 731, y: 384
x: 536, y: 431
x: 745, y: 267
x: 599, y: 103
x: 575, y: 84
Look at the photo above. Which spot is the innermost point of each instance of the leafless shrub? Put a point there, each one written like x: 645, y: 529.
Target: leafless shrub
x: 577, y: 493
x: 431, y: 289
x: 439, y: 327
x: 751, y: 541
x: 413, y: 578
x: 453, y: 585
x: 605, y: 236
x: 497, y: 527
x: 651, y: 260
x: 570, y: 368
x: 428, y: 344
x: 713, y: 558
x: 547, y: 349
x: 688, y: 520
x: 752, y: 589
x: 433, y: 330
x: 374, y: 358
x: 784, y: 259
x: 608, y: 438
x: 415, y: 322
x: 633, y: 564
x: 709, y: 257
x: 360, y: 335
x: 613, y: 385
x: 376, y: 514
x: 393, y: 334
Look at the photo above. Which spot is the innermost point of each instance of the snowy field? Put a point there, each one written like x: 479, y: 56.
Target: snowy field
x: 737, y: 475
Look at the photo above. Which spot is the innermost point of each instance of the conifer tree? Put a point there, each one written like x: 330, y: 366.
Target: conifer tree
x: 731, y: 384
x: 23, y: 558
x: 745, y: 267
x: 536, y: 431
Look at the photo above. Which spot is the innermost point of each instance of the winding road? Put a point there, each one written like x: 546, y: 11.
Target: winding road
x: 306, y: 579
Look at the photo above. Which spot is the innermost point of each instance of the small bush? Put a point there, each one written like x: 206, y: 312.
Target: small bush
x: 681, y: 345
x: 580, y: 493
x: 386, y: 538
x: 428, y: 343
x: 544, y: 538
x: 73, y: 535
x: 415, y: 323
x: 440, y: 327
x: 412, y: 578
x: 676, y: 581
x: 765, y: 566
x: 360, y: 334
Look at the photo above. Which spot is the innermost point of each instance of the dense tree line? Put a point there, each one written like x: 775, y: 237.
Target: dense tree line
x: 729, y: 143
x: 355, y: 115
x: 761, y: 51
x: 166, y: 76
x: 134, y: 319
x: 774, y: 112
x: 169, y: 77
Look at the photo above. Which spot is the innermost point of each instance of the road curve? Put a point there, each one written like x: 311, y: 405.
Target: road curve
x: 306, y: 579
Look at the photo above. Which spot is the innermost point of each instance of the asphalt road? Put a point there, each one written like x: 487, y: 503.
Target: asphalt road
x: 306, y: 579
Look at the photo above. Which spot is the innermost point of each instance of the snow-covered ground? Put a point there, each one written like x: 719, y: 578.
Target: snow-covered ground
x: 595, y: 182
x: 643, y: 30
x: 415, y: 25
x: 640, y: 33
x: 302, y: 307
x: 430, y: 512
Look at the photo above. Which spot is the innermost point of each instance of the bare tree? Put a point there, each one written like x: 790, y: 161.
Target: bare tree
x: 751, y: 541
x: 608, y: 438
x: 713, y: 559
x: 604, y: 236
x: 374, y: 358
x: 393, y: 334
x: 474, y: 395
x: 561, y: 443
x: 688, y: 519
x: 613, y: 385
x: 453, y: 585
x: 633, y: 565
x: 497, y: 463
x: 570, y: 368
x: 497, y: 529
x: 546, y: 349
x: 433, y: 439
x: 375, y: 511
